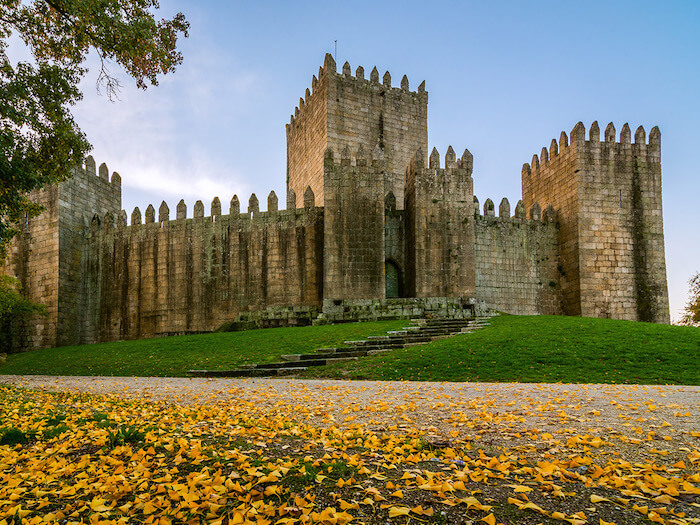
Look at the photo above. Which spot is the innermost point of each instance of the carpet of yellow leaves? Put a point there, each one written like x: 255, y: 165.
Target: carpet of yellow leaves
x: 286, y: 452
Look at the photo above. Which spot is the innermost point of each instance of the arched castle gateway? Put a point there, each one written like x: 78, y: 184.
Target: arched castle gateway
x: 374, y: 227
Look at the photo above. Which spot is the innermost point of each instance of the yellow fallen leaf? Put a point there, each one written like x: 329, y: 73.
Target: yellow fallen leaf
x: 664, y: 499
x: 597, y: 499
x: 397, y: 494
x: 97, y: 505
x: 490, y: 519
x: 641, y: 510
x: 520, y: 488
x: 423, y: 512
x: 530, y: 505
x: 398, y: 511
x: 653, y: 516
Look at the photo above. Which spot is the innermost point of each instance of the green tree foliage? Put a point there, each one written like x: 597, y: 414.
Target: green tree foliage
x: 39, y: 140
x: 13, y: 307
x: 691, y: 313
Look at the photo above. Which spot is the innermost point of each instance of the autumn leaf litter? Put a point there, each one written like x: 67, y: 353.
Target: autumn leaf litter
x: 164, y: 450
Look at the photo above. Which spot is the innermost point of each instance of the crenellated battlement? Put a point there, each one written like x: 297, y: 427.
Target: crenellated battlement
x: 464, y: 163
x: 356, y: 158
x: 89, y: 169
x: 622, y: 149
x: 253, y: 214
x: 520, y: 216
x: 358, y: 81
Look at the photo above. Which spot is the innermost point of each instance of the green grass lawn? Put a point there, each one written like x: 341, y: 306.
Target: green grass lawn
x: 543, y: 349
x: 513, y: 348
x: 174, y: 356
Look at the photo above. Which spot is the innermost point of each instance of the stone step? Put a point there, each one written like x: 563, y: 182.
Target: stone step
x: 407, y: 345
x: 296, y: 358
x: 425, y: 331
x: 377, y: 352
x: 310, y: 360
x: 250, y: 372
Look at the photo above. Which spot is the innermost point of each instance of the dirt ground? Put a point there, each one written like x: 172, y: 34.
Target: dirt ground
x: 489, y: 411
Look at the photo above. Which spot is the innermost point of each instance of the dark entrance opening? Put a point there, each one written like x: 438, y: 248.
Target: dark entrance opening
x: 393, y: 280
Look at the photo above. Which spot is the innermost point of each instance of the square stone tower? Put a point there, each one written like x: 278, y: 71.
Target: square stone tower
x: 48, y: 253
x: 607, y: 195
x: 342, y: 111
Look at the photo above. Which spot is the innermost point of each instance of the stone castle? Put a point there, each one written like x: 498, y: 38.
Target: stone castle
x: 373, y: 227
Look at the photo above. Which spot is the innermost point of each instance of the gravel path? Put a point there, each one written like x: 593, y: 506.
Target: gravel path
x: 438, y: 409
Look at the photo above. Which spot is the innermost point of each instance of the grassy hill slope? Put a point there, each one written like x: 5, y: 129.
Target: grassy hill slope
x: 513, y: 348
x: 174, y: 356
x: 543, y: 349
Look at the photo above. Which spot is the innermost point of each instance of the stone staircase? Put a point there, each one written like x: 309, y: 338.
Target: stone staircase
x: 424, y: 332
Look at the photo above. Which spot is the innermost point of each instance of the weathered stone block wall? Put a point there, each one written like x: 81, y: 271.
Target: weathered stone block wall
x: 307, y: 139
x: 622, y: 262
x: 516, y: 261
x: 353, y: 255
x: 33, y: 260
x: 345, y: 110
x: 611, y: 227
x: 439, y: 227
x: 395, y: 239
x: 369, y: 114
x: 551, y: 179
x: 88, y: 193
x: 46, y: 256
x: 193, y: 275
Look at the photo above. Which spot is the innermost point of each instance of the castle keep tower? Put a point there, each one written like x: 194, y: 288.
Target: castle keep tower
x: 608, y: 198
x: 343, y: 110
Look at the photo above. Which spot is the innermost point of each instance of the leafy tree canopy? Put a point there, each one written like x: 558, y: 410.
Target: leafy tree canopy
x: 39, y: 139
x: 691, y: 313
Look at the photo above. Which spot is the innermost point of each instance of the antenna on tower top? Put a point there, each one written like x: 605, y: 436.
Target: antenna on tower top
x: 336, y: 51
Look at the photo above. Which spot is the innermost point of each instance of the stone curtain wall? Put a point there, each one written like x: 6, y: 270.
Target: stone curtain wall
x: 192, y: 275
x: 516, y: 260
x: 608, y: 199
x: 353, y: 255
x: 439, y: 226
x: 344, y: 110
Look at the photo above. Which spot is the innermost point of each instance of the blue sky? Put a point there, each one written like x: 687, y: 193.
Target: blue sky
x: 504, y: 78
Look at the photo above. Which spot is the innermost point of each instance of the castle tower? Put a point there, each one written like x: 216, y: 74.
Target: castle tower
x: 440, y: 226
x: 47, y: 254
x: 344, y: 110
x: 353, y: 248
x: 607, y: 195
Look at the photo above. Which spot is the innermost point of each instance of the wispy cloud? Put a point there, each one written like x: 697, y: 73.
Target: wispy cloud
x: 158, y: 139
